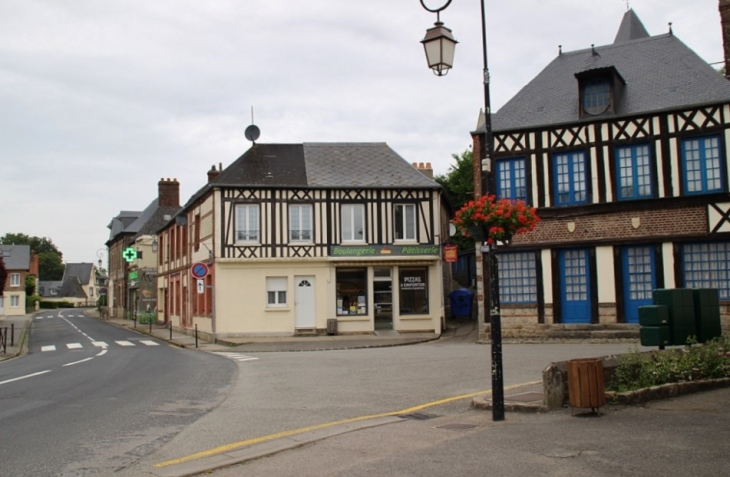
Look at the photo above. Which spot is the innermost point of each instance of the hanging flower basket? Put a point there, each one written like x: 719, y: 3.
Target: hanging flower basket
x: 490, y: 220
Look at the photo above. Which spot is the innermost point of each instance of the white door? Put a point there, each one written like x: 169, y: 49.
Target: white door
x: 304, y: 302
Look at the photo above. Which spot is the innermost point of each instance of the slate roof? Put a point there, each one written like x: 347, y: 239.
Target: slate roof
x: 660, y: 73
x: 16, y: 257
x: 82, y: 271
x: 336, y: 165
x: 45, y: 287
x: 121, y: 222
x: 326, y: 165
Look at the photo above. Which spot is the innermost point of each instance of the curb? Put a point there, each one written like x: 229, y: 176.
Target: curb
x: 664, y: 391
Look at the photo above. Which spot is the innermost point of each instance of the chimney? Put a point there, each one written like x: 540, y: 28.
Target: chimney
x: 426, y: 170
x: 168, y: 193
x: 213, y: 173
x: 725, y: 22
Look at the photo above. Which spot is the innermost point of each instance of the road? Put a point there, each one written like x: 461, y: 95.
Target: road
x: 93, y: 399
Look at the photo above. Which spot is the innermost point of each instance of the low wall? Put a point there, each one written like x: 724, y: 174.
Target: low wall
x: 556, y: 395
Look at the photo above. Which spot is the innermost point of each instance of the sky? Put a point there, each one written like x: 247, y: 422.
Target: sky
x: 100, y: 99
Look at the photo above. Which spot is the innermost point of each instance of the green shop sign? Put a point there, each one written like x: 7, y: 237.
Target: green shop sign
x: 383, y: 250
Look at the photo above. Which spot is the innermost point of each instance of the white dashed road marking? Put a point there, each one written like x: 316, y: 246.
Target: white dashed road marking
x: 124, y: 343
x: 74, y: 346
x: 238, y: 356
x: 48, y: 348
x: 149, y: 342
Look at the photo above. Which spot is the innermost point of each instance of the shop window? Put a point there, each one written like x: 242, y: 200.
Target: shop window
x: 413, y: 286
x: 352, y: 291
x: 276, y: 291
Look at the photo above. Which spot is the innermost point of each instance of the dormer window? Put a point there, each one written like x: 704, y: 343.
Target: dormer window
x: 596, y: 96
x: 600, y: 90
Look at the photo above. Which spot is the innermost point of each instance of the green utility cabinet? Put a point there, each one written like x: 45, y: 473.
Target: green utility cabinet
x: 681, y: 308
x: 678, y: 314
x: 654, y: 321
x: 707, y: 313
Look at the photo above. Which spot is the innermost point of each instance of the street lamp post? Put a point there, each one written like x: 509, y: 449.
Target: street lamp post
x: 439, y: 45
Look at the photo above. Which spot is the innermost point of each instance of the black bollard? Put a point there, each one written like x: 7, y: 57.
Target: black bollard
x: 196, y: 335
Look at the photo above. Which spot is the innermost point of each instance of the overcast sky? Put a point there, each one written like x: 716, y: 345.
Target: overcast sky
x: 99, y: 99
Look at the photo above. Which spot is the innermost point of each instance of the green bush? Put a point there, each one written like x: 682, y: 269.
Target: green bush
x: 641, y: 370
x: 147, y: 317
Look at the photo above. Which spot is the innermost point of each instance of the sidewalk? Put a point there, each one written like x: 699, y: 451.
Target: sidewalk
x: 274, y: 343
x: 17, y: 335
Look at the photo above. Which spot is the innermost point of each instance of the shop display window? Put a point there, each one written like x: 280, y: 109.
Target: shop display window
x: 413, y: 288
x: 352, y: 291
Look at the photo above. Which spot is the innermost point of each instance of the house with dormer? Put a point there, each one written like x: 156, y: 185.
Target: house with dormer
x: 624, y: 150
x: 294, y: 239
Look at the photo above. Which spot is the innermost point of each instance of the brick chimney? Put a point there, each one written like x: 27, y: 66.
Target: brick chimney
x: 426, y: 170
x: 725, y: 22
x: 168, y: 193
x: 213, y: 173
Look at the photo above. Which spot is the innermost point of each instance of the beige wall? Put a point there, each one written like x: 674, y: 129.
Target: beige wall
x: 241, y: 304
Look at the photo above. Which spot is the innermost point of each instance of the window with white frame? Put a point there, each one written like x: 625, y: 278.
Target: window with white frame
x: 352, y: 219
x: 571, y: 178
x: 707, y: 265
x: 300, y: 223
x: 276, y: 291
x: 247, y: 223
x: 511, y: 179
x: 701, y: 165
x: 15, y: 279
x: 634, y: 172
x: 404, y: 216
x: 517, y: 277
x: 14, y: 301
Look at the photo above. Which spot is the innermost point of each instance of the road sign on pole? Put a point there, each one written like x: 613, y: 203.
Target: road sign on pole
x: 199, y: 270
x: 201, y: 287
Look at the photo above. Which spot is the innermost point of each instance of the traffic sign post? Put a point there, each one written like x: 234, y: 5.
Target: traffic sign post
x: 199, y: 270
x: 201, y: 287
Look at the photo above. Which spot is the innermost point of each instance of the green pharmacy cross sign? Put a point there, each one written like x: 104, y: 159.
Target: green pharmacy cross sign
x: 129, y: 254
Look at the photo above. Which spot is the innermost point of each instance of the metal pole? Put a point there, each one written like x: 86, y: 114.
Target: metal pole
x: 196, y: 335
x: 150, y: 318
x: 491, y: 273
x: 170, y: 330
x: 12, y: 334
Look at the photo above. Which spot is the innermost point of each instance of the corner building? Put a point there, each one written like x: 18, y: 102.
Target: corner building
x: 301, y: 237
x: 623, y: 148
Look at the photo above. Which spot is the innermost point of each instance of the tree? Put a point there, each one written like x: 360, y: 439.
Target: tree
x: 50, y: 258
x: 29, y: 285
x: 3, y: 275
x: 458, y: 186
x: 458, y: 183
x: 50, y: 266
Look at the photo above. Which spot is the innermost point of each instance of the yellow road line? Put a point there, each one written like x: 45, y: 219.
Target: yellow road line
x: 293, y: 432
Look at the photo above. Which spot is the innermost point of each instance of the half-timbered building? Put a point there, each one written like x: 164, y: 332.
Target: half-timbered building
x: 305, y: 238
x: 623, y: 148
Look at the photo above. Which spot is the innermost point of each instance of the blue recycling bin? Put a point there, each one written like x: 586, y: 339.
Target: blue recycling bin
x: 461, y: 302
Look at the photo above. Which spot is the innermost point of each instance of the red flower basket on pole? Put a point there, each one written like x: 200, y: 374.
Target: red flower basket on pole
x: 491, y: 220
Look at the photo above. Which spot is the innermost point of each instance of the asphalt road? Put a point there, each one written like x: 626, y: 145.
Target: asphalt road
x: 93, y: 399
